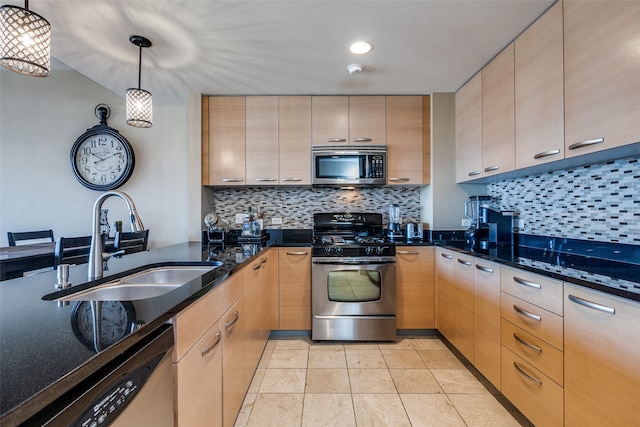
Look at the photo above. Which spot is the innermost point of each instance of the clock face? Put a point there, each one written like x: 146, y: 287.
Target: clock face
x: 102, y: 159
x: 115, y: 323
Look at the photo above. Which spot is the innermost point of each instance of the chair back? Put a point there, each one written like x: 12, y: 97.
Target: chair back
x: 131, y: 242
x: 72, y: 250
x: 29, y: 237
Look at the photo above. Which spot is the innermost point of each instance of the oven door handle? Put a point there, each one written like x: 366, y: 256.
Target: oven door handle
x: 353, y: 261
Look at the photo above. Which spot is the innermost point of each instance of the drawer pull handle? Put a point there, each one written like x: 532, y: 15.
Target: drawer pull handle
x: 546, y: 154
x: 335, y: 140
x: 526, y: 283
x: 586, y: 143
x: 463, y: 262
x: 591, y: 304
x: 232, y: 179
x: 215, y: 343
x: 446, y: 256
x: 408, y: 252
x: 527, y: 376
x: 485, y: 269
x: 297, y: 253
x: 527, y: 314
x: 526, y: 344
x: 230, y: 323
x: 266, y: 179
x: 492, y: 168
x: 257, y: 267
x: 291, y: 179
x: 263, y: 260
x: 361, y: 140
x: 474, y: 173
x: 399, y: 179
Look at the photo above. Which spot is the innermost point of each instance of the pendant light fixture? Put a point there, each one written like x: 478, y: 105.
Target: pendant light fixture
x: 139, y: 108
x: 25, y: 41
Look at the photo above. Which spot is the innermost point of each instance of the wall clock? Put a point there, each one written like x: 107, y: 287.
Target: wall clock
x: 101, y: 158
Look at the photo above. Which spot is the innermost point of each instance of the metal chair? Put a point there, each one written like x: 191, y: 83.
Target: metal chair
x: 72, y: 250
x: 131, y: 242
x: 29, y: 237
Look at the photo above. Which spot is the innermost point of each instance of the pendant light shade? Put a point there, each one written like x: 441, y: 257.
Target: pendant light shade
x: 25, y: 41
x: 139, y: 103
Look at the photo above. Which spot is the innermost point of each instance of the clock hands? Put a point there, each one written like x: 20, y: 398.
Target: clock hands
x: 95, y: 155
x: 106, y: 158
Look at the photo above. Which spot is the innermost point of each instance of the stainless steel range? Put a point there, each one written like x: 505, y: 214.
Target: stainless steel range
x: 353, y: 278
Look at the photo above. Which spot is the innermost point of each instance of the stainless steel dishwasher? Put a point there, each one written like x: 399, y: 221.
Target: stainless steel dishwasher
x: 136, y: 389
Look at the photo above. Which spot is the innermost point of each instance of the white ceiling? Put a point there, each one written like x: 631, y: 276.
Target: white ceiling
x: 282, y: 47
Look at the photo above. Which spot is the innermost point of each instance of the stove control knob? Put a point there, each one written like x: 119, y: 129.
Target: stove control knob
x: 379, y: 250
x: 339, y: 250
x: 328, y: 250
x: 368, y: 250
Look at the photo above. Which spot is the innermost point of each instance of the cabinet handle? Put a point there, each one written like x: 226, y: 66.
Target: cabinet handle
x: 266, y: 179
x: 527, y: 314
x: 526, y: 283
x: 586, y: 143
x: 474, y: 173
x: 546, y: 154
x: 485, y: 269
x: 229, y: 324
x: 232, y: 179
x: 361, y: 140
x: 215, y: 343
x: 297, y: 253
x: 446, y: 256
x: 263, y: 260
x: 527, y: 376
x: 492, y: 168
x: 291, y: 179
x: 257, y: 267
x: 591, y: 304
x: 463, y: 262
x: 399, y: 179
x: 408, y: 252
x: 523, y: 342
x: 336, y: 140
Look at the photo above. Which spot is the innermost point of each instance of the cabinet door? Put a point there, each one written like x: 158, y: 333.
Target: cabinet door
x: 262, y: 140
x: 294, y: 144
x: 601, y: 359
x: 330, y: 119
x: 539, y: 91
x: 257, y: 302
x: 367, y: 120
x: 498, y: 114
x: 463, y: 307
x: 234, y: 378
x: 226, y: 140
x: 404, y: 140
x: 469, y: 130
x: 294, y: 266
x: 486, y: 287
x: 415, y: 276
x: 601, y: 63
x: 198, y: 382
x: 445, y: 293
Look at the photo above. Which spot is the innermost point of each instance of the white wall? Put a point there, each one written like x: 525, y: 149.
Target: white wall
x: 40, y: 119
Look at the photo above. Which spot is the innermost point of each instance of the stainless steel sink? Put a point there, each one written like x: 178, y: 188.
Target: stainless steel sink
x: 142, y: 285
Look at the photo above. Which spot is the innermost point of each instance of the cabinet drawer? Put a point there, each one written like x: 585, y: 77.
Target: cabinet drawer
x: 533, y: 393
x: 192, y: 323
x: 541, y: 323
x: 534, y: 288
x: 532, y: 349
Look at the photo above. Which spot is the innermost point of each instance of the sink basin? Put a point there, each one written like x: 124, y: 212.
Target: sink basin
x: 142, y: 285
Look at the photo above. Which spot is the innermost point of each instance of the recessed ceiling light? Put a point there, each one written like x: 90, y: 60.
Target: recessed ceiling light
x: 360, y: 48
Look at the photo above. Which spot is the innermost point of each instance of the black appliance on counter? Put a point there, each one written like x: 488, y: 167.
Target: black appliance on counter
x: 489, y: 226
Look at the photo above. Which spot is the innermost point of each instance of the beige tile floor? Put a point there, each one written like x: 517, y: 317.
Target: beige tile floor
x: 415, y: 381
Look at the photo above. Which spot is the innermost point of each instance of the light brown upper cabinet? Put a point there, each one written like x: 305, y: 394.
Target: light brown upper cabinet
x: 348, y: 120
x: 602, y: 71
x: 539, y: 91
x: 224, y: 163
x: 498, y: 114
x: 262, y: 140
x: 294, y: 128
x: 409, y: 153
x: 469, y: 130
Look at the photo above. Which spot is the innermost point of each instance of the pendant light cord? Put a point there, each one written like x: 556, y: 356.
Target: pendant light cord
x: 140, y: 67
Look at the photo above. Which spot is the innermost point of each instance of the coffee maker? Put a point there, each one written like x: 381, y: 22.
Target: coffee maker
x: 489, y: 225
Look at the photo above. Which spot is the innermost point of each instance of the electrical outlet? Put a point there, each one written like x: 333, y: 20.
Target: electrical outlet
x: 520, y: 223
x: 276, y: 221
x: 240, y: 218
x: 466, y: 222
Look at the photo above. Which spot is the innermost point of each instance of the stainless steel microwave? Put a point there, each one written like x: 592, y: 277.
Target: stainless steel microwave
x: 349, y: 165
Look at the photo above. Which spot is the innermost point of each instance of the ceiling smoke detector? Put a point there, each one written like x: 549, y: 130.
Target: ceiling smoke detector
x: 354, y: 69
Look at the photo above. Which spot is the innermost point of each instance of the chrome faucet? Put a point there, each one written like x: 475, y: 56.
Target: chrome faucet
x: 97, y: 254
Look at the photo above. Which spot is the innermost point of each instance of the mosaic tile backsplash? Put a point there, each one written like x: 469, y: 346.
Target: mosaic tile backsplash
x: 598, y: 202
x: 296, y: 205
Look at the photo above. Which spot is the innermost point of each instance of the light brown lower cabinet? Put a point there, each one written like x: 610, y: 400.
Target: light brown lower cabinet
x: 294, y: 265
x: 463, y: 317
x: 415, y: 287
x: 445, y: 293
x: 234, y: 364
x: 486, y: 313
